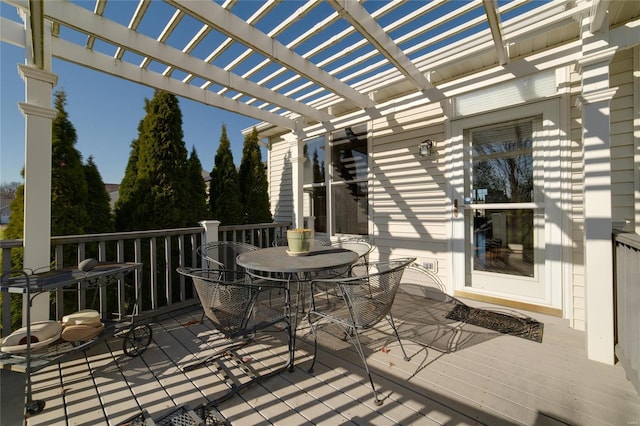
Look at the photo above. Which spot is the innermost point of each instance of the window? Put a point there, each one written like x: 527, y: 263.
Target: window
x: 315, y: 191
x: 349, y: 186
x: 345, y: 177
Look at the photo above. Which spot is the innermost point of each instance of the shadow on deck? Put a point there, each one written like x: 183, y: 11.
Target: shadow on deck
x: 457, y: 374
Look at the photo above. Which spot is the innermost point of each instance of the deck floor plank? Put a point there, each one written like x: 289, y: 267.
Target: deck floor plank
x: 456, y: 375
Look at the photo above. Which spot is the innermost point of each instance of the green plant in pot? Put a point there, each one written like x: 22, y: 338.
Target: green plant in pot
x: 299, y: 240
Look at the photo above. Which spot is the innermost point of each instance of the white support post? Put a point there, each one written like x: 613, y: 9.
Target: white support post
x: 37, y: 177
x: 297, y: 179
x: 597, y: 209
x: 210, y: 230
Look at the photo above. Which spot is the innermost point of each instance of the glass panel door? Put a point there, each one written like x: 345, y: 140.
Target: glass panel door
x: 504, y: 223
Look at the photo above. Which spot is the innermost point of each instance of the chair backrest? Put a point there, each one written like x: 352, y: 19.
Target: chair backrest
x: 363, y: 248
x: 222, y: 254
x: 229, y: 300
x: 369, y: 297
x: 281, y: 242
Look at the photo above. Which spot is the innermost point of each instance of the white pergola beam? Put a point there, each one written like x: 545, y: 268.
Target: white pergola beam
x: 82, y: 20
x: 236, y: 28
x: 104, y: 63
x: 491, y: 10
x: 598, y: 14
x: 362, y: 21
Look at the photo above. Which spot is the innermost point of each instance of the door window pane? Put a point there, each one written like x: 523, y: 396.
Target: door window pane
x: 502, y: 164
x: 503, y: 241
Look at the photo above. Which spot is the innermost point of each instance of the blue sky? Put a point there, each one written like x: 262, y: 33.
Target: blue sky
x: 105, y: 112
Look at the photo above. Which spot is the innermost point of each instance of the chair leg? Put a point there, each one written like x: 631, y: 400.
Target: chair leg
x: 314, y: 331
x: 395, y: 330
x: 356, y: 342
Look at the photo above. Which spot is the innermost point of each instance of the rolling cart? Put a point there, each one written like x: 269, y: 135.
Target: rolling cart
x: 136, y: 336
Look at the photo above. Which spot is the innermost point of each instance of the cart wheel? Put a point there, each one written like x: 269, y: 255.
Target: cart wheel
x: 137, y: 339
x: 35, y: 407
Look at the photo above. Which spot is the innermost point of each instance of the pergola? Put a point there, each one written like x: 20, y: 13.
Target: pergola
x: 289, y: 64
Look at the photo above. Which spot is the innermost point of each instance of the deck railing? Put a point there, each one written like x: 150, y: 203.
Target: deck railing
x: 156, y: 286
x: 627, y: 290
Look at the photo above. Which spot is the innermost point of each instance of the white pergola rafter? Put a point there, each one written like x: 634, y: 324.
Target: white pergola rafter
x: 104, y: 63
x: 493, y: 18
x: 361, y: 20
x: 236, y: 28
x: 85, y: 21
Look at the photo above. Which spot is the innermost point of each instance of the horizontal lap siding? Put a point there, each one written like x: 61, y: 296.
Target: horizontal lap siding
x: 577, y: 314
x: 408, y: 193
x: 280, y: 193
x: 622, y: 141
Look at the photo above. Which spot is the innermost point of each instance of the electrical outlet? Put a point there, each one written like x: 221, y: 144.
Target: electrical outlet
x: 431, y: 265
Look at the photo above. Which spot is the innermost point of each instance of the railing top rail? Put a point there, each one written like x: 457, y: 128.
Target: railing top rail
x: 254, y: 226
x: 69, y: 239
x: 629, y: 239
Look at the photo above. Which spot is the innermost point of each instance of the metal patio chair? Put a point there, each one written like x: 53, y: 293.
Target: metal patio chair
x: 280, y: 242
x: 362, y: 302
x: 360, y: 246
x: 239, y: 307
x: 222, y: 254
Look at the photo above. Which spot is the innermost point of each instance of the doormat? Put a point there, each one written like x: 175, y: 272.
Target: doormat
x: 527, y: 328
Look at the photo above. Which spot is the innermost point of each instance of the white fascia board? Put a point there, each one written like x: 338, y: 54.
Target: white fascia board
x: 74, y: 53
x: 236, y: 28
x: 625, y: 36
x: 85, y: 21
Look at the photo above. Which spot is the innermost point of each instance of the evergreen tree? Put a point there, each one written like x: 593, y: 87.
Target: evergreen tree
x: 154, y: 195
x: 125, y: 206
x: 69, y: 192
x: 224, y: 190
x: 253, y: 182
x: 15, y: 227
x: 197, y: 193
x: 98, y: 202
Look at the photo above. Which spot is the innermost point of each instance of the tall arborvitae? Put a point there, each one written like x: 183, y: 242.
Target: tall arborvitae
x: 154, y: 195
x: 224, y: 189
x: 99, y: 202
x: 253, y: 182
x: 198, y: 208
x: 125, y: 206
x: 15, y: 227
x: 69, y: 193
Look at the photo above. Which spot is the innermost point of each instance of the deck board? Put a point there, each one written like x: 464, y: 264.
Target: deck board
x: 456, y: 375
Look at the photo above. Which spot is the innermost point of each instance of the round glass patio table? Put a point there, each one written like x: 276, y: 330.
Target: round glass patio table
x: 296, y: 269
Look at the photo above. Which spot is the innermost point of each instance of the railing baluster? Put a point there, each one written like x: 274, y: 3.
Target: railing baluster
x: 167, y: 270
x: 188, y: 241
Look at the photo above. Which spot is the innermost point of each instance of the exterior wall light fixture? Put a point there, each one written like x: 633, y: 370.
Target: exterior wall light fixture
x: 426, y: 148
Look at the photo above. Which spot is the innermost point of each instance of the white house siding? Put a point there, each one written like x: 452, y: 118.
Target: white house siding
x: 409, y: 197
x: 576, y: 291
x: 279, y: 175
x: 408, y: 193
x: 622, y: 168
x: 622, y: 138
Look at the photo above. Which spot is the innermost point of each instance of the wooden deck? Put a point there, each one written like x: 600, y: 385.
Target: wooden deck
x: 457, y: 374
